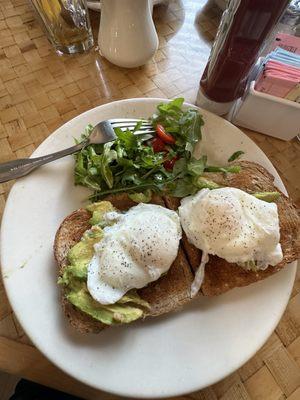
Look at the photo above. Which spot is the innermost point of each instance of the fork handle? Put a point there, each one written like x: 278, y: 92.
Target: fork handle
x: 23, y: 166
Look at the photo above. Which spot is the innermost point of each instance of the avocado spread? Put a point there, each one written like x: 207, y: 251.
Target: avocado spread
x: 269, y: 197
x: 74, y: 278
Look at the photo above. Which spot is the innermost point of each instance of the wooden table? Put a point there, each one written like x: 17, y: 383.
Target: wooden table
x: 39, y: 91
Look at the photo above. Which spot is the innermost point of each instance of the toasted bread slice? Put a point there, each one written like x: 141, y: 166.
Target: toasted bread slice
x: 221, y: 276
x: 170, y: 292
x: 167, y: 294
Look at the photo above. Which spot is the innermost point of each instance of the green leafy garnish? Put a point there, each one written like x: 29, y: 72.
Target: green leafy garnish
x: 233, y: 169
x: 133, y: 165
x: 235, y: 155
x: 197, y: 167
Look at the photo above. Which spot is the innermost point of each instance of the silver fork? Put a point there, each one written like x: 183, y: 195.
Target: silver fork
x: 103, y: 132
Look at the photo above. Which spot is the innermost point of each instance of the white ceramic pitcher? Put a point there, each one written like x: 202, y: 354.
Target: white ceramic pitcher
x: 127, y: 35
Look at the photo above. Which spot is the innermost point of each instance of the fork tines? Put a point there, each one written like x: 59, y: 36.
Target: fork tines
x: 130, y: 124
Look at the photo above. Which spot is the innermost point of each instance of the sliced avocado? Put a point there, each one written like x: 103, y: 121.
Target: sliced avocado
x: 73, y: 284
x: 270, y: 197
x: 134, y: 298
x: 204, y: 183
x: 80, y: 255
x: 123, y: 313
x: 98, y: 210
x: 107, y: 314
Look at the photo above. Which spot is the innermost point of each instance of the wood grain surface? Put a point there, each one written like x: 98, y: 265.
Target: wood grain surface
x: 39, y: 91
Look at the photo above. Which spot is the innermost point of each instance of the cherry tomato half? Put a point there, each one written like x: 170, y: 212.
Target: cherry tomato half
x: 164, y: 136
x: 169, y: 164
x: 158, y: 145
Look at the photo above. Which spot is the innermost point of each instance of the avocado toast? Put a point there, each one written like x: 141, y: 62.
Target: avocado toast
x: 167, y: 294
x: 172, y: 291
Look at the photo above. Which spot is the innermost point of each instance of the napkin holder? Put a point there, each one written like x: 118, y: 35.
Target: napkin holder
x: 273, y: 116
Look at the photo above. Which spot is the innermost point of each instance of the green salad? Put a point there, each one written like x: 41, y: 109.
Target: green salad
x: 146, y: 164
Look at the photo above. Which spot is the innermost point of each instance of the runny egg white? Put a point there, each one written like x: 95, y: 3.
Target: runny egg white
x: 233, y: 225
x: 137, y: 249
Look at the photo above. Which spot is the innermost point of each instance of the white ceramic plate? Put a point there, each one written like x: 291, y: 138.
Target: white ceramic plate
x: 165, y: 356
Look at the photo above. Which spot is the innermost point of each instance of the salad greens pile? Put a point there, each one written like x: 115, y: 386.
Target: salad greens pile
x: 142, y: 164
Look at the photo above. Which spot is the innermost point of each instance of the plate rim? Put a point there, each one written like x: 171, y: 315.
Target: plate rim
x: 292, y: 266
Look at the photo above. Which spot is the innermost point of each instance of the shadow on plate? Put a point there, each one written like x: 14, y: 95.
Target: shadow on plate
x: 205, y: 304
x: 118, y: 335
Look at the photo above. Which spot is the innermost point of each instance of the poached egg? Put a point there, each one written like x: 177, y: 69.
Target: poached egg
x: 233, y: 225
x: 137, y: 249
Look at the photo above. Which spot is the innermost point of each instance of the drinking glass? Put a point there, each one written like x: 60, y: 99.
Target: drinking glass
x: 67, y: 24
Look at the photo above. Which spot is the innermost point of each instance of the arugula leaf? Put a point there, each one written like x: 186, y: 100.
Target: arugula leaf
x: 104, y: 161
x: 184, y: 187
x: 137, y: 126
x: 192, y: 129
x: 127, y: 139
x: 235, y: 155
x: 90, y: 183
x: 180, y: 167
x: 196, y: 167
x: 80, y: 170
x: 173, y: 108
x: 87, y: 131
x: 126, y: 163
x: 177, y: 103
x: 131, y: 177
x: 151, y: 160
x: 133, y: 188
